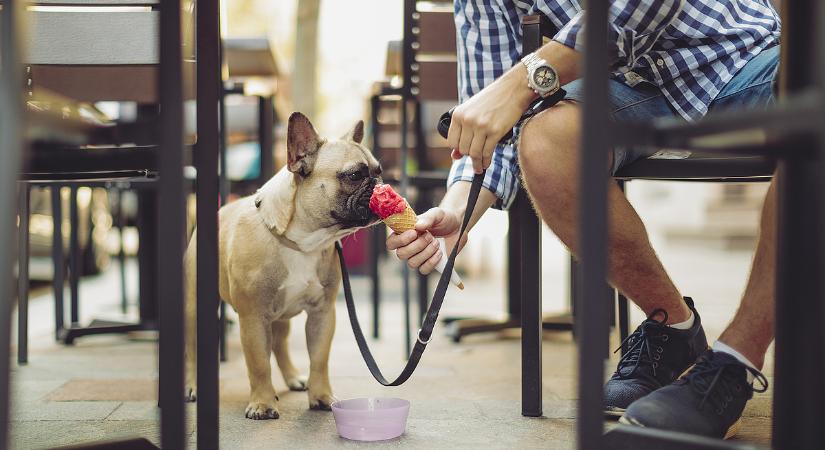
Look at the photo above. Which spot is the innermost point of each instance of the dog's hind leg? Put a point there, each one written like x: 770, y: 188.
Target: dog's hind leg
x: 280, y: 346
x: 256, y: 340
x: 319, y: 330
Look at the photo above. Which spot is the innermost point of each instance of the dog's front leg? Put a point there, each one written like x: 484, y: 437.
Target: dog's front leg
x: 256, y: 339
x: 320, y: 327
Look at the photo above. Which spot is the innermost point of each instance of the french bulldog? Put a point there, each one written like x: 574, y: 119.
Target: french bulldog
x: 277, y: 259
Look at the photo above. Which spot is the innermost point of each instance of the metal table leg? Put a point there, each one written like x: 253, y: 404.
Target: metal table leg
x: 23, y: 274
x: 58, y: 260
x: 531, y: 324
x: 209, y: 87
x: 12, y: 147
x: 171, y: 226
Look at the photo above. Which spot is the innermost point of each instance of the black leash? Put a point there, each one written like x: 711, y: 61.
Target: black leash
x: 426, y: 331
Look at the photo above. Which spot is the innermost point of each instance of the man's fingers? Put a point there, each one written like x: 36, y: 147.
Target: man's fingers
x: 429, y: 219
x: 430, y: 264
x: 489, y: 148
x: 424, y: 255
x: 415, y: 247
x: 454, y: 133
x: 396, y: 240
x: 465, y: 141
x: 455, y: 154
x: 476, y: 152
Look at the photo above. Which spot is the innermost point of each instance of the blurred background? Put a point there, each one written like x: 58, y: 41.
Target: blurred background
x: 92, y: 319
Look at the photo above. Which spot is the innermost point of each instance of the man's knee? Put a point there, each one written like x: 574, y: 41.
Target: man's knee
x: 548, y: 144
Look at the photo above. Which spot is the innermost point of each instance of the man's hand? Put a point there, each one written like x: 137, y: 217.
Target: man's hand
x: 419, y: 247
x: 479, y: 123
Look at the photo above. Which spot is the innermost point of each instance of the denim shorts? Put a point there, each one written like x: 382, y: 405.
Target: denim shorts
x: 751, y: 88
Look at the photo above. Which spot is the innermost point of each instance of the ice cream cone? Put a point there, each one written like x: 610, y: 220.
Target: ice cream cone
x: 385, y: 203
x: 402, y: 221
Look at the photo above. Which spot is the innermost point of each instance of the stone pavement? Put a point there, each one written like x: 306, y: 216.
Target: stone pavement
x: 463, y: 395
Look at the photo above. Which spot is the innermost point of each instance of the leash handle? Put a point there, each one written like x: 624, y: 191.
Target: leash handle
x: 426, y: 331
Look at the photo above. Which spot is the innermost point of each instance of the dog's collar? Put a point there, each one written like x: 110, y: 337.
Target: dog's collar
x: 282, y: 237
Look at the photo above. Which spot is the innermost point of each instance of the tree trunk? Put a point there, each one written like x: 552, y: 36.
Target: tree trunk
x: 304, y: 74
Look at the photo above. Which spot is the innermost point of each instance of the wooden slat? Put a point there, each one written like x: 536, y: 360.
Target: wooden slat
x: 437, y: 80
x: 250, y: 57
x: 93, y: 37
x: 96, y: 2
x: 88, y: 83
x: 436, y: 32
x: 80, y: 33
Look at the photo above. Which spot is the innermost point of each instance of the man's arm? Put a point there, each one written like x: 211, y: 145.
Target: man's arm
x: 479, y: 123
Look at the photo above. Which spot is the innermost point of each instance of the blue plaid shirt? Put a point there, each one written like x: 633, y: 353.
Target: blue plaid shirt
x: 689, y: 48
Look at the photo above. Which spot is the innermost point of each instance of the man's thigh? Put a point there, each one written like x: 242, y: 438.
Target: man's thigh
x: 753, y: 86
x: 641, y: 103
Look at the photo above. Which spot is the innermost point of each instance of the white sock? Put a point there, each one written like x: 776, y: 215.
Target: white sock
x: 719, y: 346
x: 684, y: 325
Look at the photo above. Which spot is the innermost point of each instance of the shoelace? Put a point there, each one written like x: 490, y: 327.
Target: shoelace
x: 706, y: 368
x: 639, y: 348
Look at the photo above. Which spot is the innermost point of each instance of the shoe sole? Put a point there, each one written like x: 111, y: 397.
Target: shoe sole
x: 729, y: 434
x: 613, y: 412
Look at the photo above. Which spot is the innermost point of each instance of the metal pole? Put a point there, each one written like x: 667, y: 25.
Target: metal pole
x: 171, y: 226
x: 74, y: 256
x: 407, y: 57
x: 378, y: 231
x: 58, y: 260
x: 121, y: 254
x: 223, y: 184
x: 23, y: 274
x: 531, y: 324
x: 593, y: 311
x: 12, y: 148
x: 208, y: 147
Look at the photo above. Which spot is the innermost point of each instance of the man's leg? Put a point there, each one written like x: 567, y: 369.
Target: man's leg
x: 751, y: 330
x: 656, y: 353
x: 548, y: 152
x: 710, y: 398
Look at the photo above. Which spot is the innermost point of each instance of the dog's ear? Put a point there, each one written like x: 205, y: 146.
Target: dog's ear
x: 302, y: 144
x: 356, y: 133
x: 275, y: 201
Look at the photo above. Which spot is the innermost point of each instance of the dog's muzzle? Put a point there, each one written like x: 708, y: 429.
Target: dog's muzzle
x: 356, y: 210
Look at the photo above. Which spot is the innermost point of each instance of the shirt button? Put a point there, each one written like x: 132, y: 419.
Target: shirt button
x: 660, y: 62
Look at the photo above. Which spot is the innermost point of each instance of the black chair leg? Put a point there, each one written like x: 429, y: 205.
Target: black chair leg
x: 74, y: 257
x: 531, y: 320
x: 23, y: 275
x: 58, y: 261
x: 624, y: 318
x: 121, y: 254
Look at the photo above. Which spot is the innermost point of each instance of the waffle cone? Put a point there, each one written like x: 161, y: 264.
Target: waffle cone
x: 403, y: 221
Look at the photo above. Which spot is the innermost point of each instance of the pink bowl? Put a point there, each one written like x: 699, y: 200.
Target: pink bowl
x: 371, y: 419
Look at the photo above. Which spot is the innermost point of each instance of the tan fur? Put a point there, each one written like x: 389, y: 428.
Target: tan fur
x: 277, y: 259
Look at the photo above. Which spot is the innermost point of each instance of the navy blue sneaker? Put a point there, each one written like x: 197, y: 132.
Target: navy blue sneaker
x: 655, y: 355
x: 708, y: 400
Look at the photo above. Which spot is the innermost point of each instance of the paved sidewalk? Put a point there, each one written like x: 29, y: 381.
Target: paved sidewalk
x: 463, y: 395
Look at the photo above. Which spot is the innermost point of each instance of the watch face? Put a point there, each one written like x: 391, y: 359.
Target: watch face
x: 544, y: 77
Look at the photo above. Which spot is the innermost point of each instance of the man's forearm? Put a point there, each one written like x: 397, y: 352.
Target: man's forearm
x: 455, y: 201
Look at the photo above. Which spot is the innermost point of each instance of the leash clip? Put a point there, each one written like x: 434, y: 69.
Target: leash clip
x: 423, y: 342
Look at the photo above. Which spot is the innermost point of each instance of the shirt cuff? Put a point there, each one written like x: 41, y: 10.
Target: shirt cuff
x: 498, y: 179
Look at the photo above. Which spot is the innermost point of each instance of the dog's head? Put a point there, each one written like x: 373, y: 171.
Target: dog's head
x: 326, y: 184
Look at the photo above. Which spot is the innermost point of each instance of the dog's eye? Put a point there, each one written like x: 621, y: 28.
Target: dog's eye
x: 356, y: 176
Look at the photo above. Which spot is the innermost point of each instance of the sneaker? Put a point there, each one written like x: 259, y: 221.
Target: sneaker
x: 655, y: 355
x: 708, y: 400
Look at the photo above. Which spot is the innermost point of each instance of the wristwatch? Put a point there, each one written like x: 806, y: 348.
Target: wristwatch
x: 541, y: 76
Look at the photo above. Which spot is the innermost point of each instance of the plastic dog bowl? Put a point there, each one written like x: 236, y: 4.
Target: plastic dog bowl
x: 371, y: 419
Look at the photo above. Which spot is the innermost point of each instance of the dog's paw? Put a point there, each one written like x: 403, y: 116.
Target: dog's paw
x: 190, y: 394
x: 261, y: 411
x: 297, y: 383
x: 321, y: 403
